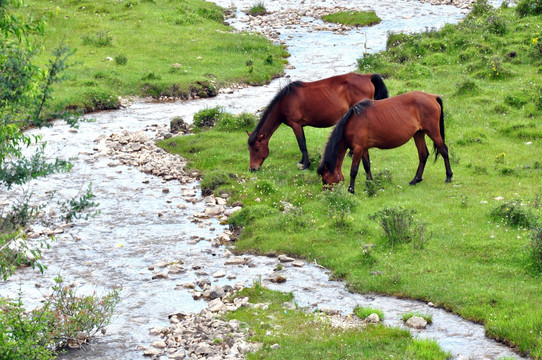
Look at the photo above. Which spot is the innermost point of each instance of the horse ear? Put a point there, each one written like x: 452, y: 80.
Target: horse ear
x: 248, y: 133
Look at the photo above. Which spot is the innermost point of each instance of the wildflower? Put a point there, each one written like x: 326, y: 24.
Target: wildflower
x: 535, y: 40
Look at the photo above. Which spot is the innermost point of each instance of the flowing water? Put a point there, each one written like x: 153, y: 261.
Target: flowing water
x: 141, y: 223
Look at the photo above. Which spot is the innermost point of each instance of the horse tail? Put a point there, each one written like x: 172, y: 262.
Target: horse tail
x: 381, y: 91
x: 331, y: 152
x: 282, y: 93
x: 441, y: 127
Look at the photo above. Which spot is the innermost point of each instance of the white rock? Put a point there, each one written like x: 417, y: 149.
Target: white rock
x: 285, y: 259
x: 216, y: 305
x: 373, y: 318
x: 416, y: 322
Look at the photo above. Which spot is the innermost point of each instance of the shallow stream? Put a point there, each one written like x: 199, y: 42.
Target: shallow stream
x: 145, y: 219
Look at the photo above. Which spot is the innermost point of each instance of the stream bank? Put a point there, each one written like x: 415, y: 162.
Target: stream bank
x: 161, y: 241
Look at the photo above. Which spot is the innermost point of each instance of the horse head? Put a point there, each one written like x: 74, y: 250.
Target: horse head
x: 330, y: 178
x: 259, y: 151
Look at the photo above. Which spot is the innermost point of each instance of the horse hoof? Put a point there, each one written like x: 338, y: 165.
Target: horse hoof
x: 415, y: 181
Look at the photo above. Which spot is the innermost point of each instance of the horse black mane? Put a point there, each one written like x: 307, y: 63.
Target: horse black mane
x: 283, y: 92
x: 329, y: 158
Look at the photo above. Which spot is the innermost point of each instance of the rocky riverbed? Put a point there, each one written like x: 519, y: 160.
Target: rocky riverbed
x: 162, y: 242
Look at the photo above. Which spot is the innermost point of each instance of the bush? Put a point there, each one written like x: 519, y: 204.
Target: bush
x: 230, y: 122
x: 529, y: 7
x: 379, y: 182
x: 400, y: 227
x: 515, y: 214
x: 340, y: 203
x: 207, y: 118
x: 100, y: 99
x: 65, y: 319
x: 121, y: 60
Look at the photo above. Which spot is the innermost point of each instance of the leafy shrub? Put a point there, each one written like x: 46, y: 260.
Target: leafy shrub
x: 363, y: 312
x: 65, y: 319
x: 207, y: 118
x: 515, y: 214
x: 121, y: 60
x: 480, y: 7
x: 100, y: 99
x: 230, y: 122
x: 529, y: 7
x: 497, y: 25
x: 379, y: 182
x: 370, y: 61
x: 247, y: 215
x: 400, y: 227
x: 339, y: 204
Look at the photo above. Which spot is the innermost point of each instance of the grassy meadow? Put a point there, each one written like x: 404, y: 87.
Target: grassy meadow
x: 151, y: 48
x: 473, y: 246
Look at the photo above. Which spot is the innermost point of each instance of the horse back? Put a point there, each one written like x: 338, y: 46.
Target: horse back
x: 391, y: 122
x: 321, y: 103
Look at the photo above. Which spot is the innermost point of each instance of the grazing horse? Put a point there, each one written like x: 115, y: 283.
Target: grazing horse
x: 319, y: 103
x: 385, y: 124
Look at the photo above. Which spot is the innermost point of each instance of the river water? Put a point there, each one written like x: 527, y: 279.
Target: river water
x: 145, y: 219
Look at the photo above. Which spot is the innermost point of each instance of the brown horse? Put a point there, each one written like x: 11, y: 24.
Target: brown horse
x: 385, y: 124
x: 319, y: 103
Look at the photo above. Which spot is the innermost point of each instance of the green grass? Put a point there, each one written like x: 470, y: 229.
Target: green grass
x: 302, y: 335
x: 363, y: 312
x: 257, y: 9
x: 472, y: 262
x: 149, y: 48
x: 354, y: 18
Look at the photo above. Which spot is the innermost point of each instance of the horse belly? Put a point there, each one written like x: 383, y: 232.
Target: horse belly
x: 392, y: 136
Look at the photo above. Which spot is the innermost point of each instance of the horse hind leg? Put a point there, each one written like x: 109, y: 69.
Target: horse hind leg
x: 444, y: 152
x: 423, y: 154
x: 442, y: 149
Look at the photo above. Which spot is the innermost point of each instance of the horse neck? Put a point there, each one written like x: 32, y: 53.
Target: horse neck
x: 341, y: 153
x: 270, y: 124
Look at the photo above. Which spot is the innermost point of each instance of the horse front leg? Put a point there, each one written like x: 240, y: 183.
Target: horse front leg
x: 364, y: 157
x: 304, y: 163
